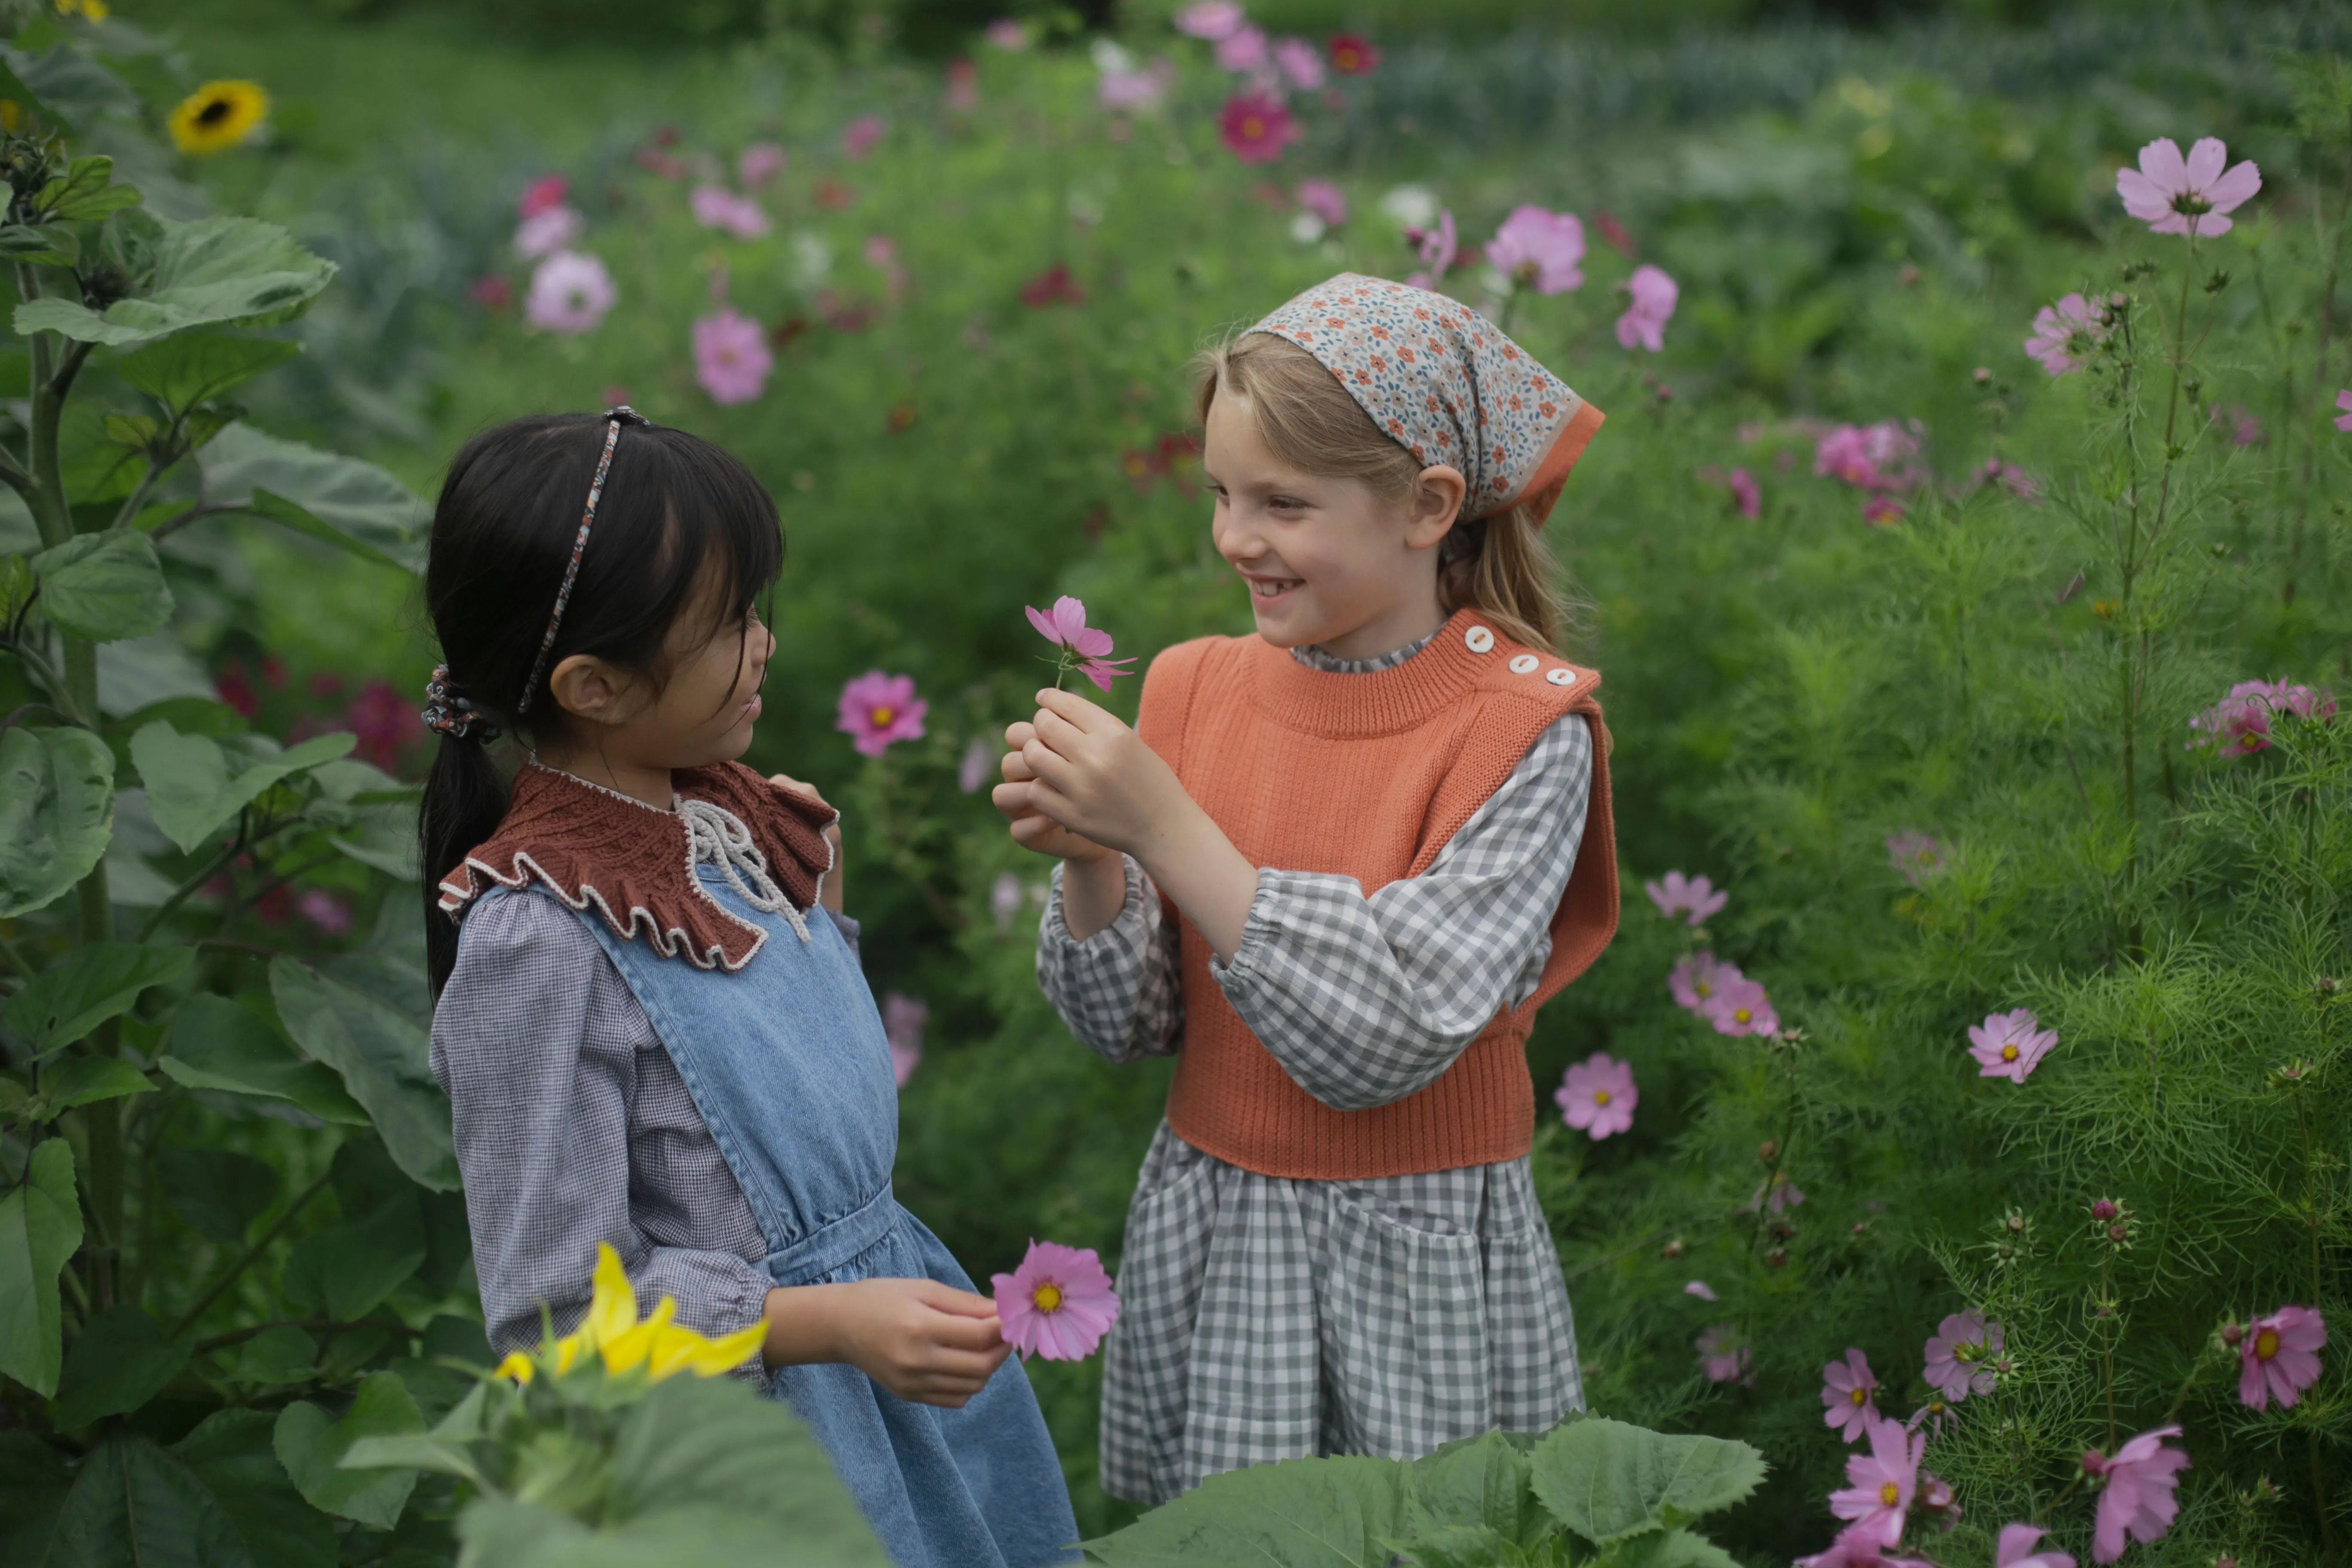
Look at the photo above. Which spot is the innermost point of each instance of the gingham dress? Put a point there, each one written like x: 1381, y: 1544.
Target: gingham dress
x: 1268, y: 1317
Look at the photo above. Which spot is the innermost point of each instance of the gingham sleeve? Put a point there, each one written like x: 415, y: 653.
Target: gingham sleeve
x: 1365, y: 1000
x: 1117, y: 990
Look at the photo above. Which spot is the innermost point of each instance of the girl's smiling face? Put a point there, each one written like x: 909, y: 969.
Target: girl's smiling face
x: 1328, y: 561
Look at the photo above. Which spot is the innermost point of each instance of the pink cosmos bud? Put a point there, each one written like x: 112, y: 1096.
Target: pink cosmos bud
x: 2093, y: 1462
x: 2104, y: 1210
x: 2234, y: 1334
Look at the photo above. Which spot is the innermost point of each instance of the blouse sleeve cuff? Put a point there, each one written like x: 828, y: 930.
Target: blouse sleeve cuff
x: 1260, y: 934
x: 1126, y: 928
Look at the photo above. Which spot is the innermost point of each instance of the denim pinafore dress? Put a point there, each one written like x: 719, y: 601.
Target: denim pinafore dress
x: 787, y: 1062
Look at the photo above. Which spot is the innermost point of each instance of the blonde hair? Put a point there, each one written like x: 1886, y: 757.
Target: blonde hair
x: 1498, y: 565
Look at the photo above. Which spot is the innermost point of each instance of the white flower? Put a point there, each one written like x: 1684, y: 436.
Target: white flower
x: 1411, y: 206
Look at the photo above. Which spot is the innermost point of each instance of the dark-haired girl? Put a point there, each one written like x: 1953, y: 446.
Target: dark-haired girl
x: 649, y: 1015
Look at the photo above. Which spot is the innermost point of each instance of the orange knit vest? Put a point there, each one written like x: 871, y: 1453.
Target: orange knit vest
x: 1368, y: 776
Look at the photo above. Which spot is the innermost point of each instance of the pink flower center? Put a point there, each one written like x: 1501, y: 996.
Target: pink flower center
x: 1046, y: 1296
x: 2009, y: 1053
x: 1860, y: 1396
x: 1890, y: 1494
x: 880, y: 716
x: 2266, y: 1344
x: 1599, y: 1097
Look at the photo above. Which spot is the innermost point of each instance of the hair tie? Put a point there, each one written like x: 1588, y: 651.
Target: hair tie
x: 613, y: 420
x: 455, y: 717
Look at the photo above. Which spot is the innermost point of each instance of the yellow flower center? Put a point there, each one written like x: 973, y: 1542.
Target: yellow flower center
x: 1861, y: 1396
x: 1599, y: 1097
x: 2266, y: 1344
x: 1704, y: 987
x: 1890, y: 1494
x: 1741, y: 1015
x: 1046, y: 1298
x: 1253, y: 127
x: 880, y: 717
x: 2009, y: 1053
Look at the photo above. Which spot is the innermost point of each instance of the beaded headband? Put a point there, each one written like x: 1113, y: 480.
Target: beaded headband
x: 614, y: 418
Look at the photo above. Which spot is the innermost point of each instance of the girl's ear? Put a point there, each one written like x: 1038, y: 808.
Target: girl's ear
x: 1436, y: 501
x: 593, y: 692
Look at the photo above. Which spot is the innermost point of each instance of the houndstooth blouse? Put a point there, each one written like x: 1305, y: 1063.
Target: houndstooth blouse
x: 1269, y: 1317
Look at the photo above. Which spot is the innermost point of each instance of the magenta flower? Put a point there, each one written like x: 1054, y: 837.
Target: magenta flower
x: 2136, y: 1497
x: 877, y: 710
x: 1693, y: 896
x: 759, y: 162
x: 546, y: 192
x: 1135, y: 89
x: 1848, y: 1390
x: 568, y: 293
x: 1700, y: 1289
x: 1210, y: 19
x: 1058, y: 1304
x: 1870, y: 457
x: 2011, y: 477
x: 903, y: 1018
x: 1255, y: 127
x: 1957, y: 1354
x: 1698, y: 978
x: 2240, y: 722
x: 1744, y: 493
x: 1881, y: 511
x: 2191, y: 196
x: 547, y: 231
x: 1083, y: 646
x: 1742, y: 1007
x: 2010, y: 1045
x: 1597, y: 1096
x: 2064, y: 334
x: 1543, y: 250
x: 333, y: 916
x: 1914, y: 855
x: 1325, y: 200
x: 1721, y: 1357
x: 1859, y: 1546
x: 1436, y: 248
x: 1880, y: 1484
x: 2343, y: 420
x: 2246, y: 430
x: 2015, y: 1550
x: 1644, y: 320
x: 859, y: 136
x: 1244, y: 50
x: 715, y: 207
x: 1301, y: 63
x: 731, y: 358
x: 1934, y: 1417
x: 2280, y: 1356
x: 1007, y: 33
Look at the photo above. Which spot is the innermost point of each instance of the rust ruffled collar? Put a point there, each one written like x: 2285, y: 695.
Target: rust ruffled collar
x: 595, y: 849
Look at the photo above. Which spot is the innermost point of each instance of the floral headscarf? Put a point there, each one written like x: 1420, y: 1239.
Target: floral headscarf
x: 1446, y: 384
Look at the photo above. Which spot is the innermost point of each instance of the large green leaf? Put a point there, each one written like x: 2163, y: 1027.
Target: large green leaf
x: 1300, y: 1513
x: 183, y: 370
x: 34, y: 1483
x: 104, y: 586
x: 383, y: 1055
x: 219, y: 1192
x: 346, y: 1270
x: 86, y: 191
x: 119, y: 1361
x: 1481, y: 1482
x: 45, y: 246
x: 1667, y: 1548
x: 354, y: 505
x: 214, y: 270
x: 92, y: 984
x: 447, y: 1449
x: 57, y: 811
x: 216, y: 1044
x: 41, y: 1228
x: 311, y: 1444
x: 86, y: 1080
x: 303, y: 520
x: 72, y: 86
x: 1607, y: 1481
x: 136, y: 1504
x: 498, y: 1533
x: 234, y: 1454
x: 192, y: 789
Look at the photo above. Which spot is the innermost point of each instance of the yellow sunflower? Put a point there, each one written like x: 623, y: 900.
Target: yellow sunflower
x: 96, y: 10
x: 217, y: 116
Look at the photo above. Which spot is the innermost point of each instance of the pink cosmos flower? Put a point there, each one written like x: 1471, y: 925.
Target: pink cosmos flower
x: 1744, y: 493
x: 1007, y: 34
x: 2137, y: 1497
x: 978, y: 761
x: 1325, y: 200
x: 1135, y: 89
x: 759, y: 162
x: 1644, y: 320
x: 964, y: 85
x: 1914, y: 855
x: 903, y: 1018
x: 2240, y: 722
x: 547, y: 231
x: 1301, y: 64
x: 1542, y: 251
x: 333, y: 916
x: 2191, y: 196
x: 568, y: 293
x: 1881, y: 511
x: 2280, y: 1356
x: 1721, y: 1357
x: 2015, y: 1550
x: 1700, y: 1289
x: 1698, y: 978
x: 547, y: 191
x: 1775, y: 1193
x: 1243, y: 50
x: 2011, y: 477
x: 1694, y: 896
x: 1880, y: 1484
x: 2246, y: 430
x: 2010, y: 1045
x: 1352, y: 54
x: 859, y: 137
x: 1058, y: 1304
x: 731, y: 358
x: 2343, y: 420
x: 491, y: 291
x: 1870, y: 457
x: 1741, y: 1007
x: 1934, y: 1417
x: 2064, y: 334
x: 1597, y: 1096
x: 1859, y: 1546
x: 1435, y: 247
x: 715, y: 207
x: 877, y: 710
x: 1210, y: 19
x: 1848, y: 1390
x: 1957, y: 1354
x: 1083, y: 646
x: 881, y: 250
x: 1255, y: 127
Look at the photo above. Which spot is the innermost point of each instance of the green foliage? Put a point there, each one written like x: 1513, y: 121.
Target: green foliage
x: 103, y: 586
x: 211, y: 272
x: 57, y: 811
x: 40, y: 1230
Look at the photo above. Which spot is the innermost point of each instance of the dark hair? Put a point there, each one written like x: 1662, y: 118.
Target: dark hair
x: 673, y: 506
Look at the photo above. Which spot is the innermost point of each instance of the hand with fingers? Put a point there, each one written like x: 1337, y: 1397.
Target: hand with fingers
x: 1092, y: 779
x: 1031, y: 828
x: 925, y: 1341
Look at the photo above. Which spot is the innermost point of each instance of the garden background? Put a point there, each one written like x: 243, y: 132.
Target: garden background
x: 1922, y: 653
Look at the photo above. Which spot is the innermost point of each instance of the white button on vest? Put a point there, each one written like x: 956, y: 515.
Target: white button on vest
x: 1525, y: 664
x: 1560, y: 676
x: 1479, y: 639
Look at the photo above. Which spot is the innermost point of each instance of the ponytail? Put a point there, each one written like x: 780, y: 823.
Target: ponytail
x: 464, y: 800
x: 1503, y: 567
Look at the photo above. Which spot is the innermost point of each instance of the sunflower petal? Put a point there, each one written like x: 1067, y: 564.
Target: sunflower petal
x: 518, y: 1366
x: 613, y: 1310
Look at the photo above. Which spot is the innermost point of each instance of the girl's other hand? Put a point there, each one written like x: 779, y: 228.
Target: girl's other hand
x: 830, y: 897
x: 925, y: 1341
x: 1031, y: 828
x: 1095, y: 778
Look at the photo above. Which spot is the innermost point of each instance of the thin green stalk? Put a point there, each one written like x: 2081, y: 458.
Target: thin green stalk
x: 213, y: 1291
x: 14, y: 958
x: 181, y: 894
